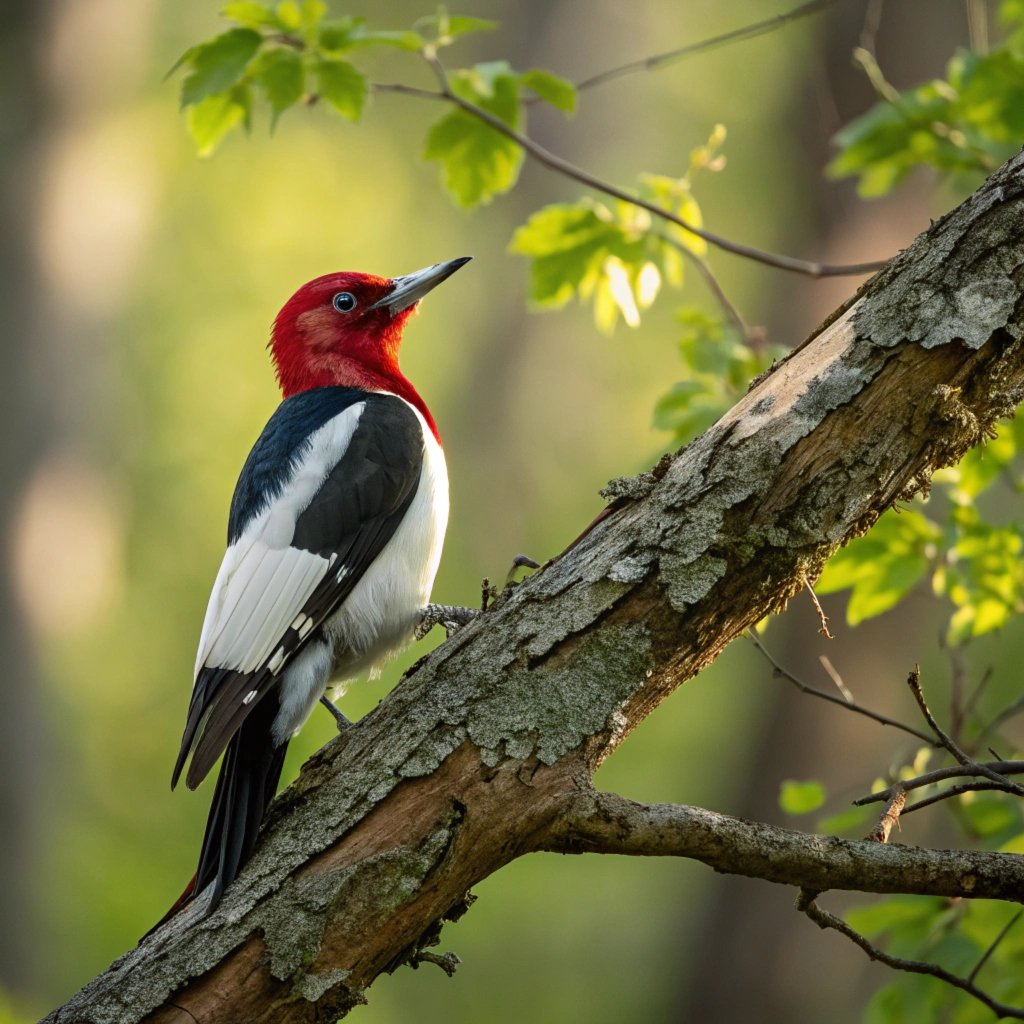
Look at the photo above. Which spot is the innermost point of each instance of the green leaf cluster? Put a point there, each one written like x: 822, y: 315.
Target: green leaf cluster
x: 969, y: 121
x: 290, y: 52
x: 977, y: 566
x: 717, y: 367
x: 613, y: 254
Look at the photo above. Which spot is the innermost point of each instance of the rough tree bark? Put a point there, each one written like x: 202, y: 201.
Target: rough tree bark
x: 486, y: 750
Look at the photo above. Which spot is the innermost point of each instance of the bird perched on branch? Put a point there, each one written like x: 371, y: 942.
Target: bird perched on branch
x: 334, y: 539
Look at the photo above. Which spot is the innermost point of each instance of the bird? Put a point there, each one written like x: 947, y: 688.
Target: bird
x: 335, y: 532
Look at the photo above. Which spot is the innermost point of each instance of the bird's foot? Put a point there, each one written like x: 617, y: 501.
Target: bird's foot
x: 342, y: 721
x: 452, y: 617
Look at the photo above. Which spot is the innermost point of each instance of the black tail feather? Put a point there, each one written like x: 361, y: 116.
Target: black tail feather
x: 248, y: 780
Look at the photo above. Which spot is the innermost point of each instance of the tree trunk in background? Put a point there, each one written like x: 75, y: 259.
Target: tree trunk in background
x: 25, y: 428
x: 750, y: 926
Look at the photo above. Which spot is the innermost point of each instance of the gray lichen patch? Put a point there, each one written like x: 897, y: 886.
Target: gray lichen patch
x: 688, y: 581
x: 312, y: 986
x: 955, y: 282
x: 550, y: 713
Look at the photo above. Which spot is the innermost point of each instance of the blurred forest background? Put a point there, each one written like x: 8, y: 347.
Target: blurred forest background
x: 137, y: 289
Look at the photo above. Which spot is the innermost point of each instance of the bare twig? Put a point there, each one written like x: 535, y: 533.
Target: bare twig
x: 703, y: 46
x: 890, y: 817
x: 822, y: 617
x: 1002, y: 717
x: 914, y: 682
x: 823, y: 919
x: 975, y: 768
x: 833, y: 674
x: 712, y: 282
x: 832, y: 699
x: 872, y: 21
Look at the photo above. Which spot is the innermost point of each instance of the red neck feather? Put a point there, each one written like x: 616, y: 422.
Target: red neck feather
x: 310, y: 351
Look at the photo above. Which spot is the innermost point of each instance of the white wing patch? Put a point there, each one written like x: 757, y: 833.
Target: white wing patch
x: 263, y: 582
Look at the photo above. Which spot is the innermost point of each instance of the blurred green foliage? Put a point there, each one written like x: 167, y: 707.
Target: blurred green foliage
x: 968, y: 122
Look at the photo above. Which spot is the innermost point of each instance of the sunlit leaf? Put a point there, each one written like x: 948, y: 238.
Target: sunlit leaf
x: 289, y: 13
x: 478, y: 161
x: 342, y: 86
x: 446, y: 28
x: 251, y: 14
x: 801, y: 797
x: 280, y: 73
x: 212, y: 118
x: 559, y: 92
x: 882, y: 566
x: 218, y: 64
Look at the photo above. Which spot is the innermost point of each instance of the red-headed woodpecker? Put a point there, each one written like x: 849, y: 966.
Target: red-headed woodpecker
x: 334, y: 539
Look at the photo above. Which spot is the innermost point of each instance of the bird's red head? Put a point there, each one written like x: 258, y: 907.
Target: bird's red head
x: 345, y: 330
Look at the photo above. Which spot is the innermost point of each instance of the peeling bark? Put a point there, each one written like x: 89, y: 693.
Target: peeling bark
x: 485, y: 751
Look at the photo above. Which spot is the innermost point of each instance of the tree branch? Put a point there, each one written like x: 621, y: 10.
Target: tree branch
x: 823, y: 919
x: 470, y: 761
x: 569, y: 170
x: 752, y: 31
x: 606, y: 823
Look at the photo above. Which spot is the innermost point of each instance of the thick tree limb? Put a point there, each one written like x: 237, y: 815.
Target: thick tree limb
x: 470, y: 761
x: 606, y: 823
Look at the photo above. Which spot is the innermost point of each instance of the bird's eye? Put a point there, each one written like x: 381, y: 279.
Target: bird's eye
x: 344, y: 302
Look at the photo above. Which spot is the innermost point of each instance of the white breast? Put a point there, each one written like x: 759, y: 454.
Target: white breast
x: 378, y: 618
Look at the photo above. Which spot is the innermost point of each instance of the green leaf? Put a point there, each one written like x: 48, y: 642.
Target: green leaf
x: 461, y: 25
x: 446, y: 28
x: 251, y: 14
x: 882, y: 566
x: 407, y: 40
x: 557, y: 91
x: 342, y: 86
x: 717, y: 367
x: 311, y: 13
x: 801, y: 797
x: 218, y: 64
x: 477, y: 161
x: 968, y: 122
x: 212, y: 118
x: 289, y: 14
x: 674, y: 195
x: 281, y: 75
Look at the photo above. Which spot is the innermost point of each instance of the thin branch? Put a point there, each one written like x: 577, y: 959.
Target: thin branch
x: 833, y: 674
x: 914, y: 682
x: 592, y: 822
x: 1003, y: 932
x: 823, y: 919
x: 975, y: 768
x: 712, y: 282
x: 735, y: 35
x: 872, y: 22
x: 1002, y: 718
x: 833, y: 699
x: 946, y: 794
x: 822, y: 617
x: 561, y: 166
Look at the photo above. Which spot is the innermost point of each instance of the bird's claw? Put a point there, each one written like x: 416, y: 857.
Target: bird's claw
x: 341, y: 720
x: 452, y: 617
